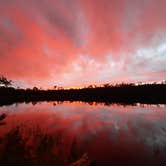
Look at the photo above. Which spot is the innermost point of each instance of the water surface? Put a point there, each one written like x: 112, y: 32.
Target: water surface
x: 60, y: 133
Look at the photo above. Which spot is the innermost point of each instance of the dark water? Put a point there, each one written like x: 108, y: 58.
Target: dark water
x: 60, y: 133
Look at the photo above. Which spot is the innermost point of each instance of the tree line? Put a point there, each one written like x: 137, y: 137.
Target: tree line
x: 4, y: 82
x: 154, y: 93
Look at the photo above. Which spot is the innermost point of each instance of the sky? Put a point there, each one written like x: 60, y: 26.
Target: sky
x: 73, y: 43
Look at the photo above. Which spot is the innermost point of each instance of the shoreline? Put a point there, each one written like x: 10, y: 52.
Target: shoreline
x: 145, y: 94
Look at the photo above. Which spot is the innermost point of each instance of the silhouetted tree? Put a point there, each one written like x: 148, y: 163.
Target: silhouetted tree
x: 163, y: 82
x: 90, y: 86
x: 4, y: 81
x: 55, y: 87
x: 60, y: 88
x: 35, y: 89
x: 106, y: 85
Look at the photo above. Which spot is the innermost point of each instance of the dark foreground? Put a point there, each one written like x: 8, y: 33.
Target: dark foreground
x: 149, y: 93
x: 79, y: 134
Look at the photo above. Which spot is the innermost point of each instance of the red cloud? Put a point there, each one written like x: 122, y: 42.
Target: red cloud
x: 44, y: 40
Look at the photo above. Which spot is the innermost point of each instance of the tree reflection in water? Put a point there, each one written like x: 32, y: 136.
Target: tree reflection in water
x: 70, y: 134
x: 37, y: 149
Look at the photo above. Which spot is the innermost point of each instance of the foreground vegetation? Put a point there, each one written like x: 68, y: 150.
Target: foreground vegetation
x: 121, y: 93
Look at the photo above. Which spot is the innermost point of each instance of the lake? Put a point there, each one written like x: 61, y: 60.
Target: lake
x: 55, y: 133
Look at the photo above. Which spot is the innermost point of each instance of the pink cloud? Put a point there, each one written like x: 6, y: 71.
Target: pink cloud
x: 81, y: 42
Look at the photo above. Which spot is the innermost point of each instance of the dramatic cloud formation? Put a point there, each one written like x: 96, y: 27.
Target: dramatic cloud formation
x: 78, y: 42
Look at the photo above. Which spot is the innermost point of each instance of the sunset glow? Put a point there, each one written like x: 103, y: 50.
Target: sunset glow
x: 73, y: 43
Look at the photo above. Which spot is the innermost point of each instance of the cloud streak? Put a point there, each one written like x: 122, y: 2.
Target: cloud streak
x: 73, y: 43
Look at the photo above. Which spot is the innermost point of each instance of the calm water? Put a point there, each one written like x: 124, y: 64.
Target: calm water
x: 60, y: 133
